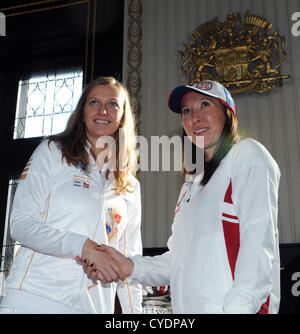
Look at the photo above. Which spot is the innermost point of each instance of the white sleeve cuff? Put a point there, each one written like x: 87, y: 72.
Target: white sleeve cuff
x: 137, y: 269
x: 73, y: 244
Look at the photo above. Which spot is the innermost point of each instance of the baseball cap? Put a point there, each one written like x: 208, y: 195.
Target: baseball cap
x: 207, y: 87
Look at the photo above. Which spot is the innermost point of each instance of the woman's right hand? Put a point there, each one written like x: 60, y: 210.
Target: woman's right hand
x: 100, y: 265
x: 124, y: 263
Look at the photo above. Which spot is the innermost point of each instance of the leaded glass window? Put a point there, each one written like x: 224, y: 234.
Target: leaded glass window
x: 45, y: 103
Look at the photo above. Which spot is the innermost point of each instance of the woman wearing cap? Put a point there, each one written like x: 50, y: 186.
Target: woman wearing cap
x: 223, y: 253
x: 67, y: 201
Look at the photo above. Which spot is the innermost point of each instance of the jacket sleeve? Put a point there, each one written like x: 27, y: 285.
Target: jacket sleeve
x: 255, y: 182
x: 153, y: 270
x: 130, y: 291
x: 28, y: 221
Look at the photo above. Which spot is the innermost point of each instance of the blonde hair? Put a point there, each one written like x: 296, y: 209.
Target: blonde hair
x: 73, y: 140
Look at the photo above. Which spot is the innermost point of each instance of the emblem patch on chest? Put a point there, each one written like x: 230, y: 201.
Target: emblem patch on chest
x: 82, y: 179
x: 82, y: 182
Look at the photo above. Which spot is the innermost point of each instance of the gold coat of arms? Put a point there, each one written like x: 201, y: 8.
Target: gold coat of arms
x: 240, y: 54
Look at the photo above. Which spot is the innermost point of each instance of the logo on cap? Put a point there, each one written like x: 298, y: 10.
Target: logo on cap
x: 204, y: 85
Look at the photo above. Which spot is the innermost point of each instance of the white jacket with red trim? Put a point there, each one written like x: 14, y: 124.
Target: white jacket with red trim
x: 56, y: 208
x: 223, y: 252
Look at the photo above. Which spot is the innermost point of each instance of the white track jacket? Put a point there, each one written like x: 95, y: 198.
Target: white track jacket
x: 56, y: 208
x: 223, y: 252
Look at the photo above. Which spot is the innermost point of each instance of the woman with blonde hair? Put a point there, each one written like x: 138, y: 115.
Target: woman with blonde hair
x: 67, y: 202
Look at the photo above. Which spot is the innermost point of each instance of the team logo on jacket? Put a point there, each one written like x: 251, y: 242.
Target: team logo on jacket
x: 81, y: 179
x: 82, y: 172
x: 81, y: 182
x: 113, y: 220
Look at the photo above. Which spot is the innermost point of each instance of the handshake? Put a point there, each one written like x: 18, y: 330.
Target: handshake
x: 104, y: 263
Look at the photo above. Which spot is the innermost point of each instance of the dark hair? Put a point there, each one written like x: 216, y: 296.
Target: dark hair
x: 229, y: 136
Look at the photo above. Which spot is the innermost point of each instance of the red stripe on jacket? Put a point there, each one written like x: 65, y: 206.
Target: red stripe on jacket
x: 265, y: 307
x: 231, y: 233
x: 227, y: 198
x: 232, y: 241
